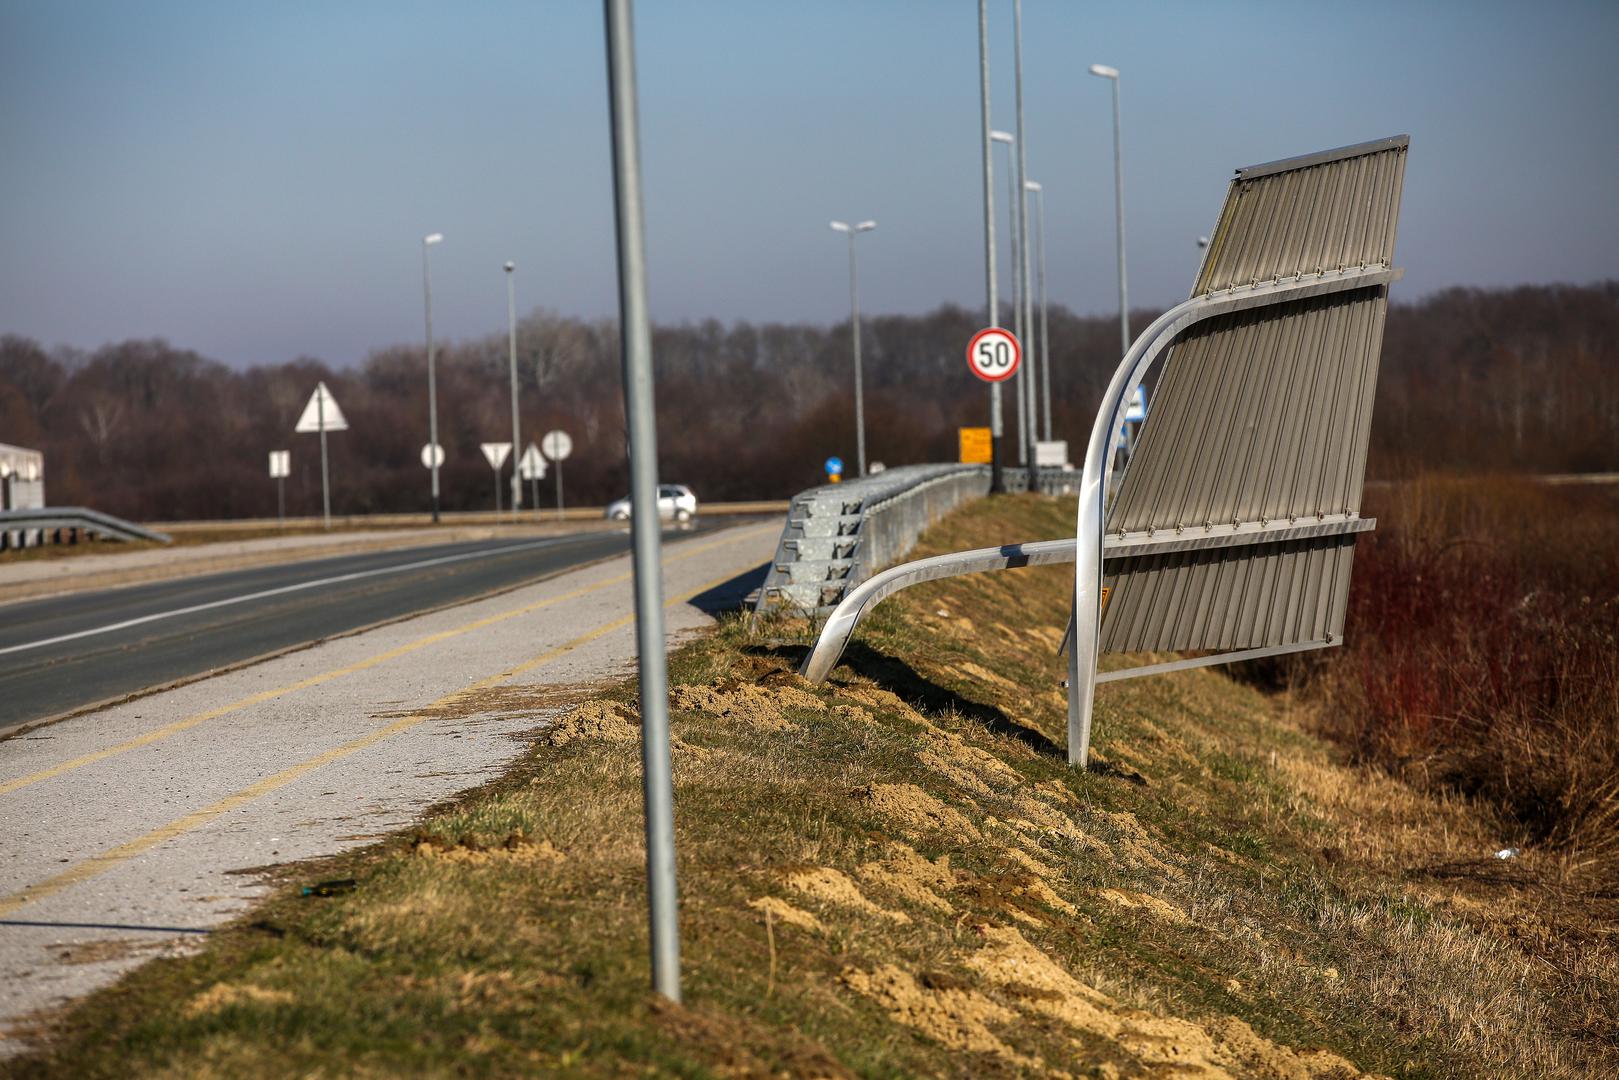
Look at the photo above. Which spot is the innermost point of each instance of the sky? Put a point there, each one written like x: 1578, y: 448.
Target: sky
x: 252, y: 178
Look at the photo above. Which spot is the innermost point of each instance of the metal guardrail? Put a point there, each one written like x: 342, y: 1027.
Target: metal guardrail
x: 837, y: 535
x: 33, y: 527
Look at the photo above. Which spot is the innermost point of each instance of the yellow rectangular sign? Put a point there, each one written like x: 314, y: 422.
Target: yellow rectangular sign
x: 976, y: 447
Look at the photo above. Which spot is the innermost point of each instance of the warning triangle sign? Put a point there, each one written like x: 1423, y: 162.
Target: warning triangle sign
x: 322, y: 413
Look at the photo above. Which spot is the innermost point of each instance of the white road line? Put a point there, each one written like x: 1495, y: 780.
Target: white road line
x: 442, y: 560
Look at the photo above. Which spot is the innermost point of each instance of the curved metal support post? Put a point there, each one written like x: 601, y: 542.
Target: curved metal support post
x: 847, y: 615
x: 1152, y: 343
x: 840, y: 625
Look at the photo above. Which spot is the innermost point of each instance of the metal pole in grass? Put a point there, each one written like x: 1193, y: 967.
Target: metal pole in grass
x: 635, y: 339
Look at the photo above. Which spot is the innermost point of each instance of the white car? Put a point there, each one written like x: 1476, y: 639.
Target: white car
x: 675, y: 503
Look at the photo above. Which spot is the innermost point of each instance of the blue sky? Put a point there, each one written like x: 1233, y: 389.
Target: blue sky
x: 252, y: 179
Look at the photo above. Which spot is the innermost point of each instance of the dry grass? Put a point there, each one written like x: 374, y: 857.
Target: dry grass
x: 898, y: 875
x: 1483, y: 658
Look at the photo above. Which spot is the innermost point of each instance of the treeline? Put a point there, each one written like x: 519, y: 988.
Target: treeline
x: 1520, y: 379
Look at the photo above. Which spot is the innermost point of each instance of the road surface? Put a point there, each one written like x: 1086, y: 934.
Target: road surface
x: 124, y: 825
x: 64, y: 653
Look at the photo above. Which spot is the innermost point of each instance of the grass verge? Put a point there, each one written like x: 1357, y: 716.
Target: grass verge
x: 898, y: 875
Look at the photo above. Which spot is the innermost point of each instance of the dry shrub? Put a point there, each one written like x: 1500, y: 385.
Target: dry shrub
x: 1482, y: 652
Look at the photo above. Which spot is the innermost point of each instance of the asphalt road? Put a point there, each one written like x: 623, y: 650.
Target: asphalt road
x: 65, y: 653
x: 131, y: 831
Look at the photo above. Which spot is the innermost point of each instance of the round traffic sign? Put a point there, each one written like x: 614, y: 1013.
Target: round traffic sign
x: 556, y: 445
x: 994, y: 354
x: 432, y: 455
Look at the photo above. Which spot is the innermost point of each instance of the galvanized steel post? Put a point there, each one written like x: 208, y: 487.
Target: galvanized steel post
x: 636, y: 347
x: 432, y: 383
x: 1118, y: 211
x: 325, y: 476
x: 511, y: 350
x: 1045, y: 327
x: 1025, y: 377
x: 859, y: 378
x: 854, y: 329
x: 1016, y: 381
x: 996, y: 484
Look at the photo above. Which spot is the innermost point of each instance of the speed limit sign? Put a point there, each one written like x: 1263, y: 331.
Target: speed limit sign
x: 994, y: 354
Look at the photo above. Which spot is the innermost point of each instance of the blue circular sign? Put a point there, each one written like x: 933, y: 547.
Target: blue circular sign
x: 834, y: 465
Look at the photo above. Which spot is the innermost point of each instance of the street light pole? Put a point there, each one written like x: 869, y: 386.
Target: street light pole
x: 1045, y: 328
x: 1026, y: 311
x: 1112, y: 75
x: 854, y: 324
x: 1010, y: 142
x: 995, y: 482
x: 432, y: 380
x: 511, y: 352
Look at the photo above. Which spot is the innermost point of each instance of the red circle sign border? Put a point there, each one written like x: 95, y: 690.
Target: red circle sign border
x: 1017, y: 359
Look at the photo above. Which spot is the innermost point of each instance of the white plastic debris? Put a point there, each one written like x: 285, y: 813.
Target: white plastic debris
x: 1507, y: 853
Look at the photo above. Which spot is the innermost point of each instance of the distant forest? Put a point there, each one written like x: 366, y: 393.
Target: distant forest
x: 1523, y: 379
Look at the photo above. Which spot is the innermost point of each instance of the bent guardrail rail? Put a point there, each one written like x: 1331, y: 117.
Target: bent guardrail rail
x: 1234, y: 524
x: 52, y: 518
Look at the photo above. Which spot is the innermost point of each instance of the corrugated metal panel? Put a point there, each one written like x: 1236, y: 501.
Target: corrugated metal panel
x: 1263, y: 415
x: 1229, y: 598
x: 1259, y: 416
x: 1306, y: 215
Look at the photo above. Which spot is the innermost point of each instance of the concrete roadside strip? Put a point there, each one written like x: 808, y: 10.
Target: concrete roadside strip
x: 285, y: 760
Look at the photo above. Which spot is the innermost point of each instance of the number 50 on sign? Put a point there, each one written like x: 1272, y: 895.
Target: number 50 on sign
x: 994, y: 354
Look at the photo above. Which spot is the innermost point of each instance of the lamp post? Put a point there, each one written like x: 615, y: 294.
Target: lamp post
x: 1112, y: 75
x: 1007, y: 139
x: 853, y: 231
x: 432, y: 379
x: 995, y: 482
x: 1026, y: 312
x: 511, y: 352
x: 1045, y: 335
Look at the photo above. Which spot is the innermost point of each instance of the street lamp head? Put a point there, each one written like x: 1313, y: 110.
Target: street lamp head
x: 510, y: 266
x: 1104, y: 71
x: 840, y: 226
x: 1032, y: 185
x: 865, y: 226
x: 1002, y: 136
x: 433, y: 238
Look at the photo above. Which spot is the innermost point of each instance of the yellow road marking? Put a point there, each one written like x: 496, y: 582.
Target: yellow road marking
x: 107, y: 860
x: 7, y: 787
